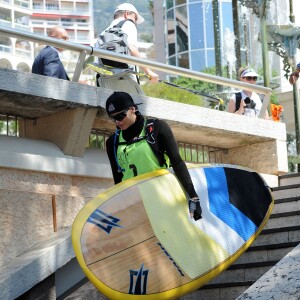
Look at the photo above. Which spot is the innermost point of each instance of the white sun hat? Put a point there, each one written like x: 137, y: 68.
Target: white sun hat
x: 249, y: 72
x: 130, y: 7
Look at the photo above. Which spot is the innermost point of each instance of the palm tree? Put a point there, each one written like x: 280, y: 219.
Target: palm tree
x: 236, y: 31
x: 260, y: 7
x: 217, y: 38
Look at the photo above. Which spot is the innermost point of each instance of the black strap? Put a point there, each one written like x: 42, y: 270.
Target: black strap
x: 121, y: 23
x: 137, y: 77
x: 238, y: 98
x: 97, y: 79
x: 135, y: 140
x: 153, y: 143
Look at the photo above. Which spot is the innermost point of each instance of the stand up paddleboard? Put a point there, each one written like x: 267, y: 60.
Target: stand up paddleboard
x: 137, y: 238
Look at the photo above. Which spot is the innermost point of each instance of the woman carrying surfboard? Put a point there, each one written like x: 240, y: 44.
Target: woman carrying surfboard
x: 139, y: 146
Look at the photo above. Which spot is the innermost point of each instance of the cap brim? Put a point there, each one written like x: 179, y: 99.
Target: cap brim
x: 251, y: 74
x: 140, y: 19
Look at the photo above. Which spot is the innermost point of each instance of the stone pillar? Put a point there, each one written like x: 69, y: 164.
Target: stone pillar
x: 68, y: 129
x: 265, y: 157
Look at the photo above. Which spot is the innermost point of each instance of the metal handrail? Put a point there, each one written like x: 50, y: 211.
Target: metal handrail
x: 85, y: 50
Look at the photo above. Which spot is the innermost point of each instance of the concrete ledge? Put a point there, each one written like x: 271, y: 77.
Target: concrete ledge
x: 250, y: 142
x: 35, y: 265
x: 189, y: 116
x: 280, y: 282
x: 36, y: 155
x: 31, y: 95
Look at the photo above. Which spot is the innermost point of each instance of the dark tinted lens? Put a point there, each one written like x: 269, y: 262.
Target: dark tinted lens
x: 251, y: 78
x: 120, y: 116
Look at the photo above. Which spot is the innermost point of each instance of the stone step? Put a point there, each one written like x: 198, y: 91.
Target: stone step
x: 288, y: 191
x: 285, y: 205
x: 250, y: 266
x: 237, y: 274
x: 264, y: 255
x: 282, y: 219
x: 289, y: 179
x: 277, y: 237
x: 232, y: 282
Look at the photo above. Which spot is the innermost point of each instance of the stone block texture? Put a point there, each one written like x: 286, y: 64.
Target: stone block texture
x: 26, y: 204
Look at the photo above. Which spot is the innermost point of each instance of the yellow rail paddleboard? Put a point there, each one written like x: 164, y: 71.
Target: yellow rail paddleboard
x: 137, y: 240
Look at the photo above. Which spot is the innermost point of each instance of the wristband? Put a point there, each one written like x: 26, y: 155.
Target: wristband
x: 194, y: 199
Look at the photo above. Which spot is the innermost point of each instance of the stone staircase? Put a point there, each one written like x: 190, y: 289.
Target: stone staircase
x: 280, y: 235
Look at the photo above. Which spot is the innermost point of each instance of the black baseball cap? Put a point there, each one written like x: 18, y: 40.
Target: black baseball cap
x: 119, y: 101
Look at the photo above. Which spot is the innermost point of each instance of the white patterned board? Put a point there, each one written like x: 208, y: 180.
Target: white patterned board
x: 137, y: 238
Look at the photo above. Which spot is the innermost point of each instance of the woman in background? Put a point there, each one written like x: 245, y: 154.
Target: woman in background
x: 246, y: 102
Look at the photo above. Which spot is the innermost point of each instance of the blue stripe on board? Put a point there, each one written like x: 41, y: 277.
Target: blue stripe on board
x: 222, y: 208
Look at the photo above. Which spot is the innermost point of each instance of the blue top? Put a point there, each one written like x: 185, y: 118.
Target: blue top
x: 48, y: 63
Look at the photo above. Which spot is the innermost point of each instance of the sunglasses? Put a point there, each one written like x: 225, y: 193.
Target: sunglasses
x: 120, y: 116
x: 248, y: 78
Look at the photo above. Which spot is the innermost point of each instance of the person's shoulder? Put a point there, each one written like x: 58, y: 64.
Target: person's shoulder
x: 255, y: 96
x: 243, y: 94
x: 159, y: 124
x: 43, y: 53
x: 47, y: 49
x: 154, y: 120
x: 129, y: 24
x: 51, y: 54
x: 111, y: 137
x: 110, y: 140
x: 233, y: 96
x: 118, y: 21
x: 113, y: 23
x: 44, y: 50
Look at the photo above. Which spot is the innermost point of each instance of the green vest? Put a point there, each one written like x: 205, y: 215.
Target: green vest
x: 137, y: 157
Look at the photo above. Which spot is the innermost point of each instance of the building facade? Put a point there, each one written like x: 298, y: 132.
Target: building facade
x: 75, y: 16
x: 190, y: 32
x: 184, y: 36
x: 38, y: 16
x: 15, y: 53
